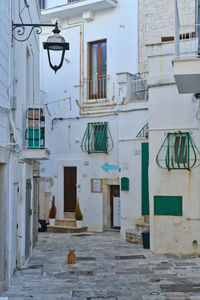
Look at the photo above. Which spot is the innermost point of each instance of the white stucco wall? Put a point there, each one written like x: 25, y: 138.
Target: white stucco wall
x: 13, y: 85
x: 171, y: 112
x: 67, y: 134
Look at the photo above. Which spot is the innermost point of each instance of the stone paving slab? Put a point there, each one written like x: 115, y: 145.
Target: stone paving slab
x: 107, y: 268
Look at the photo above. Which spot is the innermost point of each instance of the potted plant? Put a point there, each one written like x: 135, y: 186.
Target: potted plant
x: 79, y: 216
x: 52, y: 213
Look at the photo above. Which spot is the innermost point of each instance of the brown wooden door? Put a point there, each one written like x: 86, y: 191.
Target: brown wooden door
x: 69, y: 189
x: 114, y: 192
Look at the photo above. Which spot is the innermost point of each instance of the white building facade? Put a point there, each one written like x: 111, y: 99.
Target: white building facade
x: 19, y: 168
x: 173, y: 124
x: 97, y: 108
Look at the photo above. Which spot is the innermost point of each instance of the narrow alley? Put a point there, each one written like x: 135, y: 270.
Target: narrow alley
x: 106, y: 268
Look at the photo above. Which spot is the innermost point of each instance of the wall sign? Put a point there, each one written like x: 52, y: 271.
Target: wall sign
x: 107, y: 167
x: 96, y: 185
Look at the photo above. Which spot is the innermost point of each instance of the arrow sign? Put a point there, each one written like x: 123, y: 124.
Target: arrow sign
x: 108, y: 167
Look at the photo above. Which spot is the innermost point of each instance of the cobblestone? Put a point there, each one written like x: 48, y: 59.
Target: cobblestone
x: 107, y: 268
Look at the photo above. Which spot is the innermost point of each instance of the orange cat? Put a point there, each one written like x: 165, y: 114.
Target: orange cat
x: 71, y: 257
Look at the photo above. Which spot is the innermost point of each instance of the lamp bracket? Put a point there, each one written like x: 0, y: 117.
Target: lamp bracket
x: 19, y: 30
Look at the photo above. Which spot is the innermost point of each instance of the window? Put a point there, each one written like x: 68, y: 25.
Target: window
x: 69, y: 1
x: 181, y: 149
x: 97, y: 70
x: 178, y: 151
x: 42, y: 4
x: 97, y: 138
x: 100, y: 137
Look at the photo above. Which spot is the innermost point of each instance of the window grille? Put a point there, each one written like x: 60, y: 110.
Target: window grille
x: 97, y: 138
x: 144, y: 132
x: 178, y: 151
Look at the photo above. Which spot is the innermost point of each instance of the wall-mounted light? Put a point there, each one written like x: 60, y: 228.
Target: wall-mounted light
x: 54, y: 42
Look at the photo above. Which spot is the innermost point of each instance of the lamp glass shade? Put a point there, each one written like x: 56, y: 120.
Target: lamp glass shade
x: 55, y: 42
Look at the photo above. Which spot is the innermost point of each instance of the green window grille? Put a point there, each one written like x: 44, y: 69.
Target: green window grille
x: 144, y: 132
x: 178, y: 151
x: 97, y: 138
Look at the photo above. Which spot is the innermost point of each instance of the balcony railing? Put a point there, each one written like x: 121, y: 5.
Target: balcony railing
x: 186, y: 37
x: 188, y: 41
x: 140, y: 87
x: 96, y: 88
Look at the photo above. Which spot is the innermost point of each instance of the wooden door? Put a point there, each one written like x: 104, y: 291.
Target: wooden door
x: 114, y: 193
x: 69, y: 189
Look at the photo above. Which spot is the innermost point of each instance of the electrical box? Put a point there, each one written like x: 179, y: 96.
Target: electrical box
x: 124, y: 184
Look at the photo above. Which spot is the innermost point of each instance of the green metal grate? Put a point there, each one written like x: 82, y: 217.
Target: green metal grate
x: 97, y: 138
x: 144, y: 132
x: 178, y: 151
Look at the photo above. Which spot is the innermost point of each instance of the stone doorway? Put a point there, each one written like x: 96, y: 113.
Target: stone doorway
x: 107, y: 209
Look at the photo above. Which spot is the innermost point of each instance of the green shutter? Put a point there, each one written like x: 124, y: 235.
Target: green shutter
x: 145, y: 179
x: 168, y: 205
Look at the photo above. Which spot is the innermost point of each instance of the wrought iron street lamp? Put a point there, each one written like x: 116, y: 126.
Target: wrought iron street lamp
x: 54, y: 42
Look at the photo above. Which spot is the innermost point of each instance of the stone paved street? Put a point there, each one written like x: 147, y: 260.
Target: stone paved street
x: 106, y: 268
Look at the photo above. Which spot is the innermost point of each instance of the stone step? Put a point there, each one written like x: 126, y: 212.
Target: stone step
x: 69, y: 215
x: 66, y: 222
x: 65, y: 229
x: 133, y: 236
x: 142, y: 226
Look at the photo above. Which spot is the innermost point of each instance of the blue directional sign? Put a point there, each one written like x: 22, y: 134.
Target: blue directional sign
x: 107, y: 167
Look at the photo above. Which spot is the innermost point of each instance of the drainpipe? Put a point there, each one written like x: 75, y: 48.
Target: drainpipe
x: 81, y: 57
x: 11, y: 76
x: 177, y: 30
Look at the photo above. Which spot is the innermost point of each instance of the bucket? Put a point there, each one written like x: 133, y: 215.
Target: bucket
x: 146, y: 240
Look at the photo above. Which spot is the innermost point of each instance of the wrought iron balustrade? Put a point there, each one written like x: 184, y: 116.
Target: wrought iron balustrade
x: 96, y: 88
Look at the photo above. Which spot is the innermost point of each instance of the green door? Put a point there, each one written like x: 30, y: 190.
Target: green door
x: 145, y: 179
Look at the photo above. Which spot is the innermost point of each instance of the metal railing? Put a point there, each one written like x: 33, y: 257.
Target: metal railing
x: 140, y: 87
x: 186, y: 37
x: 188, y: 41
x: 97, y: 138
x: 178, y: 151
x: 96, y: 88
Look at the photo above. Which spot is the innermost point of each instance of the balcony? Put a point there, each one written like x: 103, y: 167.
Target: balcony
x: 96, y: 89
x: 132, y: 87
x: 186, y: 63
x: 68, y: 8
x: 140, y: 87
x: 35, y: 135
